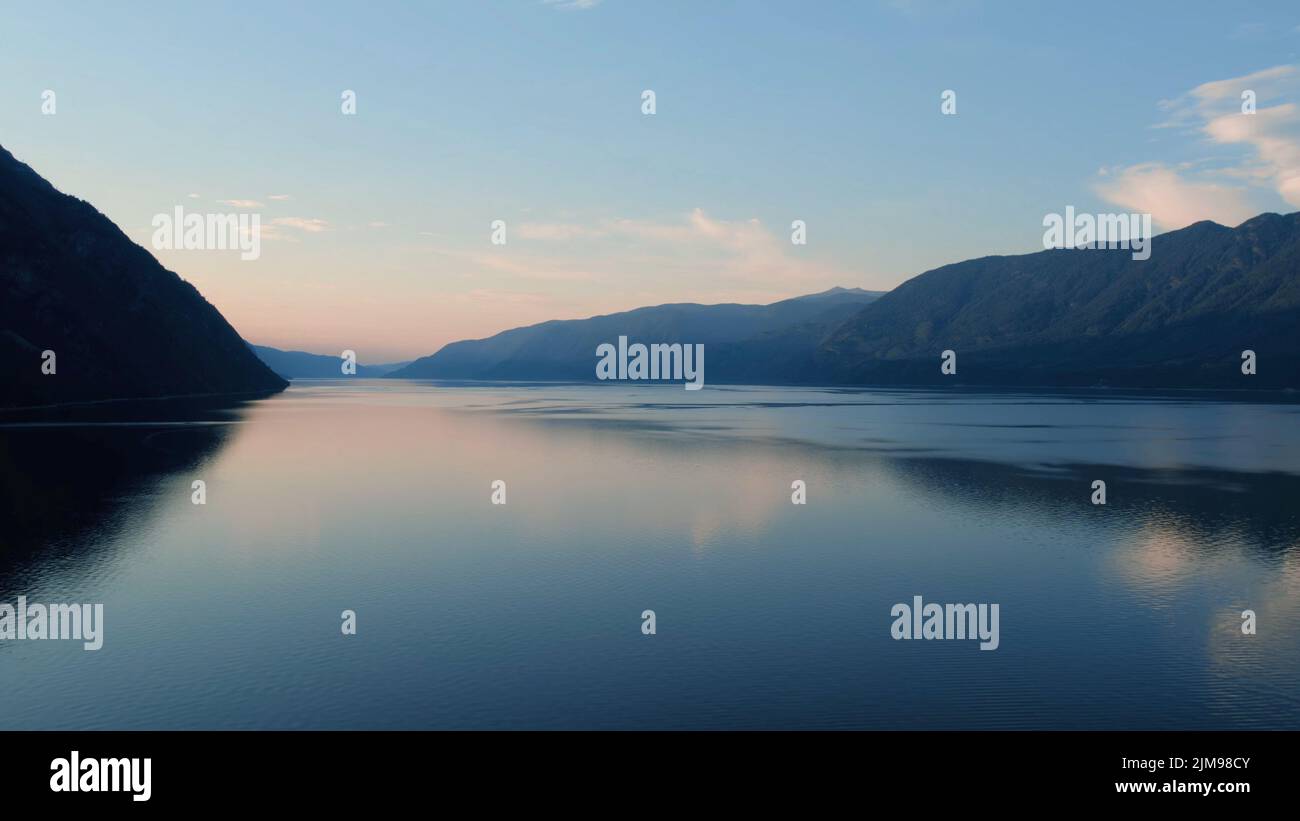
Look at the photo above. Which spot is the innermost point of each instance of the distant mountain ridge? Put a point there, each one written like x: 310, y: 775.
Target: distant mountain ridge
x: 1077, y: 317
x: 565, y: 349
x: 303, y: 365
x: 120, y: 325
x: 1083, y: 317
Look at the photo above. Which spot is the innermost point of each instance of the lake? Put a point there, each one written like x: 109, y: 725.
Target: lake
x: 376, y: 496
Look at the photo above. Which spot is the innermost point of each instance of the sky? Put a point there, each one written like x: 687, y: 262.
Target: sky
x: 377, y: 226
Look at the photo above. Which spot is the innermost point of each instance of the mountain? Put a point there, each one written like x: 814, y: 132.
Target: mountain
x: 1083, y: 317
x: 1077, y: 317
x: 120, y: 325
x: 566, y: 349
x: 302, y: 365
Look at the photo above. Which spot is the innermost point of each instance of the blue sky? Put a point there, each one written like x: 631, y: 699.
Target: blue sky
x: 378, y: 238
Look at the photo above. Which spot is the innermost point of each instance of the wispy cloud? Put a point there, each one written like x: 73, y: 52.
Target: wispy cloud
x: 291, y: 229
x: 572, y: 5
x: 242, y: 203
x: 1228, y: 186
x: 1219, y: 90
x: 558, y: 231
x: 1172, y: 200
x: 1274, y: 135
x: 696, y: 227
x: 278, y: 197
x: 311, y: 226
x: 738, y: 258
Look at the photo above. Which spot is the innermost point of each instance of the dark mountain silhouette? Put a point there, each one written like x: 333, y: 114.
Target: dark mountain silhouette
x: 566, y: 349
x: 1064, y: 318
x: 303, y: 365
x: 120, y: 325
x: 1088, y: 317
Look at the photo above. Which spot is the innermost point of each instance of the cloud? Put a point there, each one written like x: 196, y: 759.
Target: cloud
x: 740, y: 259
x: 1172, y: 200
x: 278, y: 197
x: 1274, y: 135
x: 1248, y: 153
x: 572, y: 5
x: 556, y: 231
x: 291, y: 229
x: 242, y: 203
x: 526, y: 268
x: 741, y: 236
x: 1219, y: 90
x: 311, y: 226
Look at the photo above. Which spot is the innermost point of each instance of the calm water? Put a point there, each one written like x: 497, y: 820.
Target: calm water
x: 375, y: 496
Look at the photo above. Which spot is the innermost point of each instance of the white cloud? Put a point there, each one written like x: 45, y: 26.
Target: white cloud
x: 696, y: 228
x: 279, y: 197
x: 740, y: 258
x: 556, y: 231
x: 1218, y: 90
x: 1172, y: 200
x: 311, y: 226
x: 1274, y: 134
x: 241, y: 203
x: 572, y: 5
x: 1229, y: 185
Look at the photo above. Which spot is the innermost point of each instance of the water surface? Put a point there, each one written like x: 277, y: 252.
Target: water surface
x: 375, y: 496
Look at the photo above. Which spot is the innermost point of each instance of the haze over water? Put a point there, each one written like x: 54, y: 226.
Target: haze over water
x: 375, y: 496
